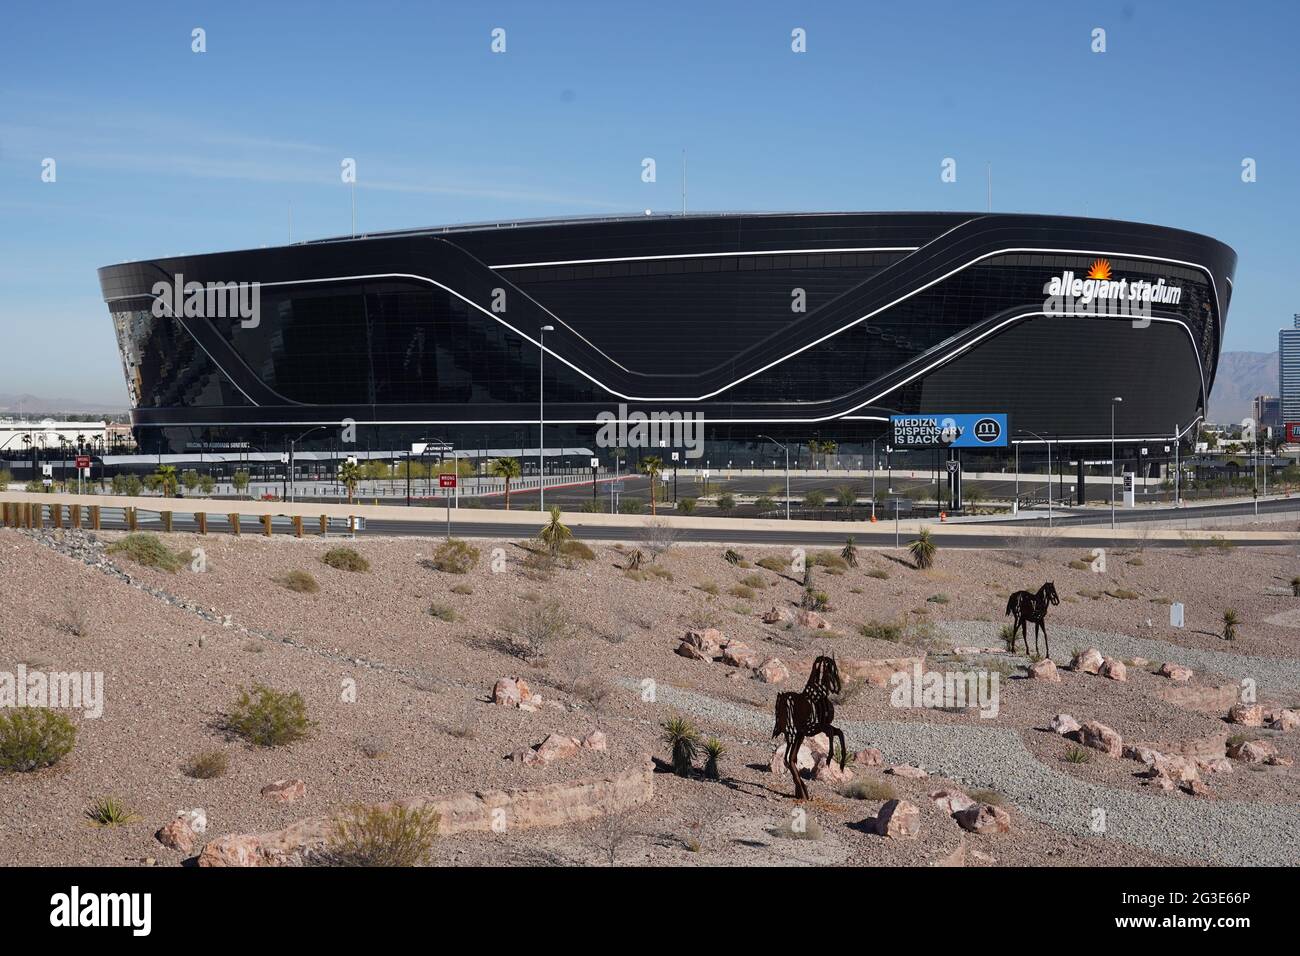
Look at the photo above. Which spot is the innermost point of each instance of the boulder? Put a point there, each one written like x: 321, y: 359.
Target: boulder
x: 772, y: 671
x: 878, y: 671
x: 951, y: 801
x: 1248, y: 715
x: 1196, y: 788
x: 594, y: 740
x: 1087, y: 661
x: 177, y: 835
x: 738, y: 654
x: 234, y: 850
x: 984, y: 818
x: 554, y: 747
x: 1176, y: 768
x: 811, y: 619
x: 1214, y: 765
x: 709, y: 641
x: 775, y: 615
x: 1064, y: 724
x: 829, y: 770
x: 1098, y: 736
x: 1207, y: 747
x: 1044, y: 670
x: 805, y: 760
x: 196, y: 818
x: 514, y: 692
x: 285, y: 791
x: 870, y: 757
x: 1252, y: 751
x: 1205, y: 700
x: 691, y: 652
x: 1274, y: 760
x: 1175, y: 672
x: 1284, y: 719
x: 1113, y: 669
x: 910, y: 772
x: 898, y: 819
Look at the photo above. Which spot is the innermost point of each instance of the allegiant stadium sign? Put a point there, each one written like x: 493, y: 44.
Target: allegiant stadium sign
x: 1099, y: 293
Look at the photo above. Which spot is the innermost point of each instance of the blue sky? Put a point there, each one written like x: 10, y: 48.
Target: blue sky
x: 161, y: 151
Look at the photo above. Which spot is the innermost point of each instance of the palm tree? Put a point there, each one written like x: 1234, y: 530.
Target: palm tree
x: 554, y: 533
x: 166, y: 475
x: 507, y: 468
x: 349, y: 475
x: 652, y: 466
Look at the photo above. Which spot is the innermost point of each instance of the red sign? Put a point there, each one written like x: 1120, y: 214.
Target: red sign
x: 446, y: 481
x: 83, y: 461
x: 1292, y: 432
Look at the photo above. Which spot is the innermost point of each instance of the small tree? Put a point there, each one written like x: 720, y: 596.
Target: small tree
x: 507, y: 468
x: 239, y: 481
x: 349, y: 476
x: 652, y: 467
x: 815, y: 498
x: 207, y: 483
x: 1230, y: 622
x: 190, y: 479
x: 554, y: 533
x: 683, y: 740
x: 923, y: 549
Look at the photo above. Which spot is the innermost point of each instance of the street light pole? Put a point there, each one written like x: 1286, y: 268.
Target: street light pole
x: 541, y: 417
x: 1049, y: 469
x: 1113, y: 402
x: 873, y: 479
x: 785, y: 449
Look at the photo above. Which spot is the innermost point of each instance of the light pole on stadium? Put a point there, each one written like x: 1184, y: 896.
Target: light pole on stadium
x: 1114, y: 402
x: 1049, y: 471
x: 787, y: 472
x: 541, y: 418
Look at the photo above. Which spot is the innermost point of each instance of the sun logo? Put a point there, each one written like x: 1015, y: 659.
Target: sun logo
x: 1100, y: 270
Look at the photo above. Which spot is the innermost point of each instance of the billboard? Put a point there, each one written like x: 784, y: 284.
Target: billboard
x: 949, y: 431
x: 1292, y: 432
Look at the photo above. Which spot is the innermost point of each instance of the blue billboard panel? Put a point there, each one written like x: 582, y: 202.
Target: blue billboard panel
x: 949, y: 431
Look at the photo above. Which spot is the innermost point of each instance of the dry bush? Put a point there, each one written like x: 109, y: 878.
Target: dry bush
x: 657, y: 537
x: 206, y: 765
x: 369, y: 836
x: 608, y: 834
x: 533, y: 630
x: 76, y: 620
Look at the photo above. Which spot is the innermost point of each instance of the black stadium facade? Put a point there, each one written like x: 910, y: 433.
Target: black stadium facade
x: 792, y: 326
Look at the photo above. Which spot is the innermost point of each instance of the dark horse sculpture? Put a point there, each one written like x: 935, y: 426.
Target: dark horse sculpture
x: 806, y: 713
x: 1028, y: 607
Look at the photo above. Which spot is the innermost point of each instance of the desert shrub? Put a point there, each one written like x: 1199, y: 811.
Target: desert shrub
x: 726, y: 502
x: 1136, y: 562
x: 462, y: 589
x: 807, y: 828
x: 373, y: 747
x: 938, y: 599
x: 76, y: 617
x: 592, y: 506
x: 708, y: 587
x: 631, y: 506
x: 686, y: 506
x: 828, y: 560
x: 865, y: 788
x: 882, y: 630
x: 345, y: 559
x: 32, y: 737
x: 814, y: 499
x: 299, y: 581
x: 923, y: 549
x: 110, y: 812
x: 371, y: 836
x: 443, y: 612
x: 777, y: 565
x: 683, y: 740
x: 454, y: 556
x: 534, y: 630
x: 1008, y: 636
x: 1123, y: 594
x: 1079, y: 565
x: 991, y: 797
x: 764, y: 503
x: 660, y: 571
x: 578, y: 550
x: 268, y: 717
x: 1090, y: 594
x: 1078, y: 755
x: 1230, y: 622
x: 147, y: 550
x: 880, y: 574
x: 555, y: 533
x: 846, y: 496
x: 813, y: 600
x: 756, y: 581
x: 741, y: 591
x: 206, y: 765
x: 1295, y: 587
x: 539, y: 565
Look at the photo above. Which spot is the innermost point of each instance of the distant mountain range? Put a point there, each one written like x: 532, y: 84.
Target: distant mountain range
x: 35, y: 405
x: 1242, y: 376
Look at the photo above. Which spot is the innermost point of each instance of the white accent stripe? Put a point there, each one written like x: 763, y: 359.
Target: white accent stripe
x: 706, y: 255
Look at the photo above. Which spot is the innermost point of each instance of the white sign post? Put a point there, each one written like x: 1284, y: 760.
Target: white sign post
x: 1176, y: 614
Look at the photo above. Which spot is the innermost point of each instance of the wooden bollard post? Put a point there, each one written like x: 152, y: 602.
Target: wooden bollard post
x: 4, y: 508
x: 40, y: 517
x: 166, y: 520
x: 234, y: 524
x: 324, y: 524
x: 74, y: 516
x: 297, y: 526
x: 202, y: 520
x: 131, y: 519
x: 56, y: 515
x: 266, y: 525
x: 28, y: 519
x: 94, y: 517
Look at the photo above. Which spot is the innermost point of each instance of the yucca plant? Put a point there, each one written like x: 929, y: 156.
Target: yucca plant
x: 683, y: 740
x: 110, y: 812
x: 923, y: 549
x: 634, y: 560
x: 713, y: 751
x: 1078, y: 755
x: 734, y: 557
x: 555, y: 533
x: 1230, y: 622
x: 850, y: 552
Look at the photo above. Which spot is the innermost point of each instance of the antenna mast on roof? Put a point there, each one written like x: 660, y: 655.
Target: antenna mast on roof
x: 683, y: 182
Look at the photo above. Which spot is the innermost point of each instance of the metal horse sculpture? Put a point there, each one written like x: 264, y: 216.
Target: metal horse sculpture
x: 1028, y: 607
x: 806, y: 713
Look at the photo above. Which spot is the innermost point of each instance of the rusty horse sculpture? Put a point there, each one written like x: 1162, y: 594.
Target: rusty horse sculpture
x: 806, y: 713
x: 1026, y: 607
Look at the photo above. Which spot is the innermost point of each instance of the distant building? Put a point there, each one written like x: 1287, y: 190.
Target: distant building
x: 1268, y: 411
x: 1288, y: 370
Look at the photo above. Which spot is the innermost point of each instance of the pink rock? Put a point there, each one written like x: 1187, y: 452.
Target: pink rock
x: 1161, y: 782
x: 594, y: 740
x: 506, y: 692
x: 1113, y: 669
x: 1196, y: 788
x: 1044, y: 670
x: 1140, y: 662
x: 1098, y: 736
x: 911, y: 773
x: 775, y: 615
x: 177, y: 835
x: 1176, y: 768
x: 1214, y: 765
x: 830, y: 771
x: 1175, y: 672
x: 772, y: 671
x: 898, y: 819
x: 951, y: 801
x: 811, y: 619
x: 556, y: 746
x: 805, y: 760
x: 285, y: 791
x: 691, y: 652
x: 984, y: 818
x: 871, y: 757
x: 234, y: 850
x: 1285, y: 720
x: 1087, y: 661
x: 1278, y: 761
x: 1252, y: 751
x: 1064, y: 724
x: 708, y: 640
x: 1248, y: 715
x: 738, y: 654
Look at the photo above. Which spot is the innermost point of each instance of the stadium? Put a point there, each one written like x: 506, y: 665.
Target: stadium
x: 749, y: 327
